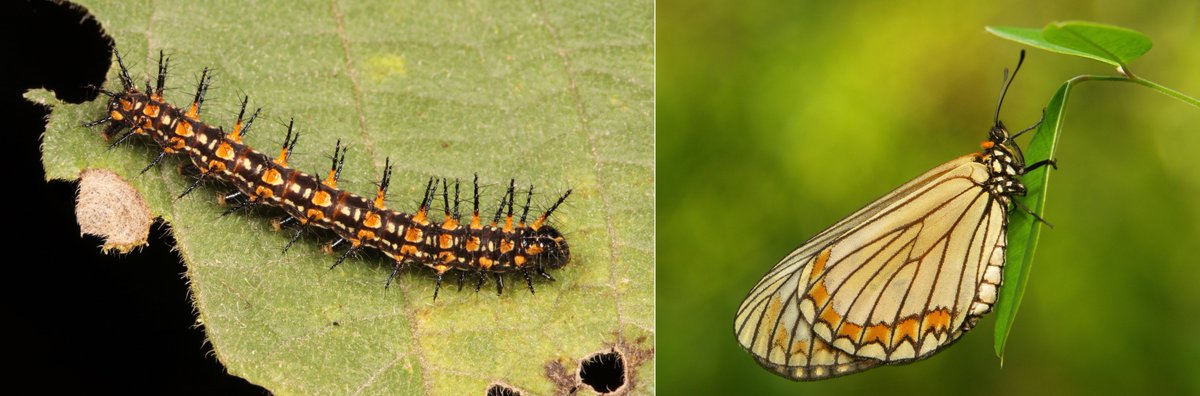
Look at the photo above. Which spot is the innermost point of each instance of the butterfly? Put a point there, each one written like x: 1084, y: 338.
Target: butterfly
x: 899, y: 279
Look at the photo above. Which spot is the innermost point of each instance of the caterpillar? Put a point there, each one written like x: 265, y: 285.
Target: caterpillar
x: 502, y: 246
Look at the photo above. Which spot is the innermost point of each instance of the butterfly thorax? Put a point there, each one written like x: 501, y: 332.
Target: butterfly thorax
x: 1005, y: 164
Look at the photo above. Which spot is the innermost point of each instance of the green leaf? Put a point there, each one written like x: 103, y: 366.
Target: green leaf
x: 1032, y: 38
x: 1024, y: 229
x: 558, y: 94
x: 1109, y: 44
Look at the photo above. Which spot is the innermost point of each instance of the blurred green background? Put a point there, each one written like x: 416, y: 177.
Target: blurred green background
x: 776, y: 119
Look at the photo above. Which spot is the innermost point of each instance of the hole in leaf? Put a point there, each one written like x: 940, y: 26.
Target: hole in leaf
x: 604, y: 372
x: 502, y: 390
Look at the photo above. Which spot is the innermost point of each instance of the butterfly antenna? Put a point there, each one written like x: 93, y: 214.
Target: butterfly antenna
x: 1006, y: 83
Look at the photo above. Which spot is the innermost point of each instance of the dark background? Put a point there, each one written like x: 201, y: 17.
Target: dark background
x: 77, y: 320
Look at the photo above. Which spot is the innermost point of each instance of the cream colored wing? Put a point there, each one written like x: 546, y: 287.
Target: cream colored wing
x: 893, y: 282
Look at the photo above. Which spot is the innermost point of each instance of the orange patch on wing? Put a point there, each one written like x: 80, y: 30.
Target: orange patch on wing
x: 987, y: 144
x: 851, y: 331
x: 264, y: 192
x: 445, y: 241
x: 936, y: 321
x: 506, y: 246
x: 534, y: 250
x: 450, y: 224
x: 878, y: 333
x: 774, y: 305
x: 408, y: 250
x: 819, y: 294
x: 906, y: 329
x: 519, y: 260
x: 315, y: 214
x: 781, y: 338
x: 819, y: 263
x: 800, y: 348
x: 485, y: 262
x: 368, y: 235
x: 829, y: 316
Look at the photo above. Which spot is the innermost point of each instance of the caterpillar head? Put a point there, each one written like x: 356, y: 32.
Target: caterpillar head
x: 547, y: 248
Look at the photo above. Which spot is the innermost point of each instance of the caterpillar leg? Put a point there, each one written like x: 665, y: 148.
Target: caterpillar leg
x: 479, y: 283
x: 345, y: 254
x: 195, y: 184
x: 295, y: 237
x: 528, y: 279
x: 438, y: 285
x: 154, y: 162
x: 544, y: 274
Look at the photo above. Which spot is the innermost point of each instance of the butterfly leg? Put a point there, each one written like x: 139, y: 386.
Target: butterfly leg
x: 1039, y: 164
x: 1030, y: 212
x: 1031, y: 127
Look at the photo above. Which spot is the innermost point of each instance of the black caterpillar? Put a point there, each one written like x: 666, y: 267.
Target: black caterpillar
x: 473, y: 247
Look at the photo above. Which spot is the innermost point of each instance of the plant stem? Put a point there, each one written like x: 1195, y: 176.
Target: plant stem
x: 1141, y: 81
x: 1168, y: 91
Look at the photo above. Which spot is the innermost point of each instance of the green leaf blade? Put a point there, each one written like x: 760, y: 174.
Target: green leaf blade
x: 1023, y: 229
x: 1114, y: 45
x: 1106, y: 43
x: 1033, y: 38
